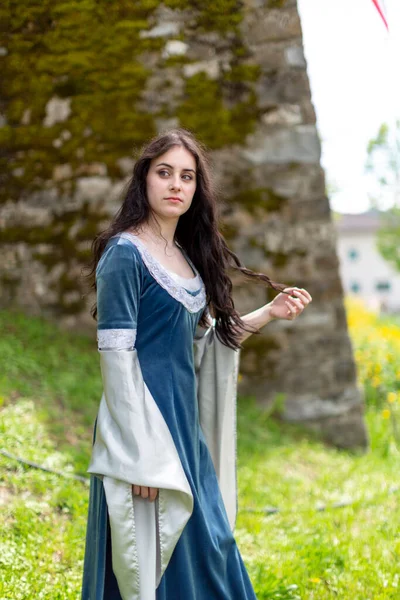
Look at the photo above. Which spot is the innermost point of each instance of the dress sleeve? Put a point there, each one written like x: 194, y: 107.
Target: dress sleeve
x: 217, y: 367
x: 119, y: 283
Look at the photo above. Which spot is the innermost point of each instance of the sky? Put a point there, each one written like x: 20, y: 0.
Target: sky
x: 355, y: 85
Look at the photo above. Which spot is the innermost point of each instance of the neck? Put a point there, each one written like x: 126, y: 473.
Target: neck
x: 159, y: 230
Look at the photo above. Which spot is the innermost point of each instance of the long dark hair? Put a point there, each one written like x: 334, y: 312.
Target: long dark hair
x: 196, y: 232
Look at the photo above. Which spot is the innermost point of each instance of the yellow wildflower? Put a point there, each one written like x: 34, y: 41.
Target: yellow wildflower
x: 391, y: 397
x: 315, y: 580
x: 386, y: 413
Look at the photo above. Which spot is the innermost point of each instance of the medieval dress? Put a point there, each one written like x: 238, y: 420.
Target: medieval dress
x: 167, y: 420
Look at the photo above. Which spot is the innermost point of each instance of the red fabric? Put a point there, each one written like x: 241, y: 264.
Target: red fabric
x: 381, y: 9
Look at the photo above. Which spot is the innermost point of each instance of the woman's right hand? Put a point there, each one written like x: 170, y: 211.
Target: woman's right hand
x: 145, y: 492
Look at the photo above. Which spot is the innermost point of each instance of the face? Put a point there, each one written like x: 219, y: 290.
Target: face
x: 171, y: 183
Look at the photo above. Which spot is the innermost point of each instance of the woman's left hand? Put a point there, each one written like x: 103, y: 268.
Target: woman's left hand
x: 284, y: 306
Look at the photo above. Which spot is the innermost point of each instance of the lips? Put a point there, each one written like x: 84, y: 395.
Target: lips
x: 174, y: 199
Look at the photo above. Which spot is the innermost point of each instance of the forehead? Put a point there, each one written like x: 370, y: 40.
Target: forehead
x: 178, y: 157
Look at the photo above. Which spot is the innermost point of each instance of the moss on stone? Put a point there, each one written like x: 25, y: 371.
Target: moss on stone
x: 259, y: 198
x: 205, y: 112
x: 212, y: 15
x: 276, y: 3
x: 89, y: 51
x: 84, y: 50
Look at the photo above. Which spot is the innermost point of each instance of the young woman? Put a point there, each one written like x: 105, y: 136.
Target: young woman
x: 163, y: 468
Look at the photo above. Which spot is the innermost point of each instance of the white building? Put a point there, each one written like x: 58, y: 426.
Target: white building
x: 363, y: 271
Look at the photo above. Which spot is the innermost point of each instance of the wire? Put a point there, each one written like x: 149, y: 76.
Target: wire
x: 269, y: 510
x: 43, y: 468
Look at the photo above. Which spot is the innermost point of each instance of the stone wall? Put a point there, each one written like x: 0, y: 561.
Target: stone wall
x: 84, y: 85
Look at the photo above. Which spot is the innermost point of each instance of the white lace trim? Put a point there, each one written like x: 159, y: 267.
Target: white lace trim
x: 166, y: 281
x: 116, y: 339
x: 191, y: 283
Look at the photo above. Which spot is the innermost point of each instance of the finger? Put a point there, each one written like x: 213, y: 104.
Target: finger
x: 301, y: 290
x: 307, y: 294
x: 298, y: 303
x: 153, y: 494
x: 291, y: 311
x: 145, y: 492
x: 136, y: 490
x: 293, y: 306
x: 301, y: 296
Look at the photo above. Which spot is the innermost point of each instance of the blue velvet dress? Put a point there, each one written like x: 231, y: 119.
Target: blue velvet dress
x: 136, y: 296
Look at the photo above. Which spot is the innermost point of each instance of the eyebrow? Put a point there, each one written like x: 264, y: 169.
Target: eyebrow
x: 171, y: 167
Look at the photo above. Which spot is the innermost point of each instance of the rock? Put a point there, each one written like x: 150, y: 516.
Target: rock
x: 161, y: 30
x: 26, y: 117
x: 295, y: 57
x: 245, y: 92
x: 210, y: 67
x: 92, y: 188
x: 262, y: 25
x: 66, y: 135
x: 61, y: 172
x: 285, y: 114
x: 89, y: 169
x: 125, y: 165
x: 57, y: 111
x: 165, y: 124
x: 299, y: 144
x: 175, y: 48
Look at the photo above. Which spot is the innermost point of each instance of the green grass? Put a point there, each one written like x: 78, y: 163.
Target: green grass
x: 49, y: 391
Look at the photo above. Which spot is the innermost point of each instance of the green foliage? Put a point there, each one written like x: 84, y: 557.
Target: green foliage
x: 388, y: 237
x: 383, y: 162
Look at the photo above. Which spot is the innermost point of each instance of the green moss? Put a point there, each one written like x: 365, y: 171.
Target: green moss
x: 84, y: 50
x: 259, y: 198
x: 212, y: 15
x: 205, y: 112
x: 240, y: 73
x: 89, y: 52
x: 276, y: 3
x: 228, y: 231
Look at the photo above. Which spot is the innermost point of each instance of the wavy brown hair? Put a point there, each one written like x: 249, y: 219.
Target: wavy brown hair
x: 196, y: 232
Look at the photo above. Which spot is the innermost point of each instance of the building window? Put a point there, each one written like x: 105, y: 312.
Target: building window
x: 353, y: 254
x: 355, y: 287
x: 383, y: 286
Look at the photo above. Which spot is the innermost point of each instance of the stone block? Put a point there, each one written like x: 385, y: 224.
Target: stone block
x: 285, y: 114
x: 295, y: 57
x: 57, y: 111
x: 174, y: 48
x: 209, y: 67
x: 161, y: 30
x: 300, y: 144
x: 277, y: 87
x: 258, y: 26
x: 92, y: 188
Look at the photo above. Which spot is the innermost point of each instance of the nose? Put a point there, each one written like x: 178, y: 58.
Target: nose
x: 175, y: 183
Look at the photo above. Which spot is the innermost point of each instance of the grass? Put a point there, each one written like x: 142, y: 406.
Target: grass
x: 49, y: 393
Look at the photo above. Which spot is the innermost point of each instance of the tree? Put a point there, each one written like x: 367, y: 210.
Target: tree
x: 383, y: 163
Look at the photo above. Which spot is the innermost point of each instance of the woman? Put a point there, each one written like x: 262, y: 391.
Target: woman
x: 163, y: 472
